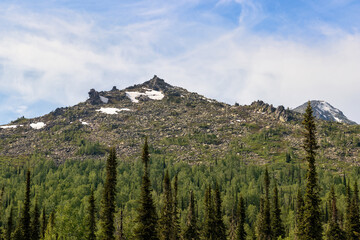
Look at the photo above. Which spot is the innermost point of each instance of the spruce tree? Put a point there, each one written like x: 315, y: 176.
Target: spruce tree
x: 91, y: 222
x: 311, y: 223
x: 191, y: 230
x: 146, y: 228
x: 35, y: 224
x: 166, y: 220
x: 25, y: 221
x: 176, y: 220
x: 277, y: 224
x: 43, y: 223
x: 299, y: 231
x: 209, y: 216
x: 220, y: 230
x: 264, y: 231
x: 334, y: 232
x: 353, y: 228
x: 9, y: 224
x: 50, y: 227
x: 260, y: 222
x: 240, y: 231
x: 107, y: 228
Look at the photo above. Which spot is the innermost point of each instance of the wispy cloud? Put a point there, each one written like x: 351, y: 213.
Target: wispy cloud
x: 56, y: 56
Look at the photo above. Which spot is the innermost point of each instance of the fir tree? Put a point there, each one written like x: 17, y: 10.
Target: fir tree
x: 176, y: 220
x: 91, y: 223
x: 146, y: 228
x: 166, y: 219
x: 25, y: 221
x: 311, y: 223
x: 240, y: 231
x: 107, y: 228
x: 220, y: 229
x: 260, y: 222
x: 35, y: 224
x: 334, y: 232
x: 299, y: 215
x: 50, y: 228
x: 277, y: 224
x: 353, y: 228
x: 43, y: 223
x: 191, y: 229
x: 264, y: 231
x: 209, y: 216
x: 9, y: 224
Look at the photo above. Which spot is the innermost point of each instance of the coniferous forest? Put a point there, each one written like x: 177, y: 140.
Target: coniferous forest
x: 154, y: 197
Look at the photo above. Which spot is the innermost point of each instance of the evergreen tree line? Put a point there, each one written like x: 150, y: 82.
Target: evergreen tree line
x: 164, y: 223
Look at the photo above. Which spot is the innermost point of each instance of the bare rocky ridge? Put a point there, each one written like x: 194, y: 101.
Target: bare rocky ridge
x: 182, y: 125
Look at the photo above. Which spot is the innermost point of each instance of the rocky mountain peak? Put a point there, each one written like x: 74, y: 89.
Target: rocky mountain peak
x: 325, y: 111
x: 155, y: 83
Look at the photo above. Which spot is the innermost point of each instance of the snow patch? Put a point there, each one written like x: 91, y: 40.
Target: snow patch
x: 104, y: 99
x: 8, y: 126
x: 38, y: 125
x: 152, y: 94
x: 83, y: 123
x: 112, y: 110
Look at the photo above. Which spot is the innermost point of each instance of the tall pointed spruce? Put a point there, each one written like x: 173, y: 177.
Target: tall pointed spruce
x: 176, y: 220
x: 353, y: 228
x: 220, y: 230
x: 191, y: 229
x: 9, y: 224
x: 278, y: 229
x: 108, y: 201
x: 264, y: 223
x: 146, y: 228
x: 311, y: 223
x: 25, y: 221
x: 166, y: 218
x: 91, y: 223
x: 240, y: 231
x: 334, y: 232
x: 209, y: 216
x: 43, y: 223
x: 35, y: 224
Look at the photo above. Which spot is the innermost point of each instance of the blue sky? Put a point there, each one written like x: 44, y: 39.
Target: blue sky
x: 283, y: 52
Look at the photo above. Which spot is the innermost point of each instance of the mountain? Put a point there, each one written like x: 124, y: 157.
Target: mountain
x: 183, y: 126
x: 325, y: 111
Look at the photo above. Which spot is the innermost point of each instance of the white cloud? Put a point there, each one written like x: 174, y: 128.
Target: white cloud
x: 57, y: 58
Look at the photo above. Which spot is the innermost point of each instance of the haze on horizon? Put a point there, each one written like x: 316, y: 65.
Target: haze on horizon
x: 282, y: 52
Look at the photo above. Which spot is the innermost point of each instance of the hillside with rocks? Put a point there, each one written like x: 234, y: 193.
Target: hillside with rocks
x: 181, y: 124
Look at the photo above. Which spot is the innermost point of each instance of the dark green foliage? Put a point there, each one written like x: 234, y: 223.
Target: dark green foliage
x: 43, y: 223
x: 146, y: 228
x: 220, y: 229
x: 35, y: 224
x: 334, y: 232
x: 209, y: 216
x: 277, y: 224
x: 353, y: 223
x: 25, y: 221
x: 108, y: 201
x: 299, y: 214
x: 311, y: 223
x: 91, y: 223
x: 166, y: 218
x: 240, y: 230
x: 9, y: 225
x: 90, y: 148
x: 265, y: 231
x: 191, y: 230
x: 176, y: 220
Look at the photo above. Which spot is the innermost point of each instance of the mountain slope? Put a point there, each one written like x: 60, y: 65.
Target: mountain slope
x: 323, y: 110
x: 182, y: 125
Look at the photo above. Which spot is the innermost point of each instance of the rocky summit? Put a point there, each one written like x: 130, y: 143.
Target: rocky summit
x: 325, y: 111
x: 183, y: 125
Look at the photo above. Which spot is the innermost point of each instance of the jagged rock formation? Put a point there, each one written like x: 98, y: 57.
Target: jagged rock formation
x: 183, y: 125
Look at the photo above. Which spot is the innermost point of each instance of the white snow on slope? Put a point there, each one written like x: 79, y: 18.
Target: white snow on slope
x: 104, y: 99
x: 152, y: 94
x: 112, y: 110
x: 37, y: 125
x: 83, y: 123
x: 8, y: 126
